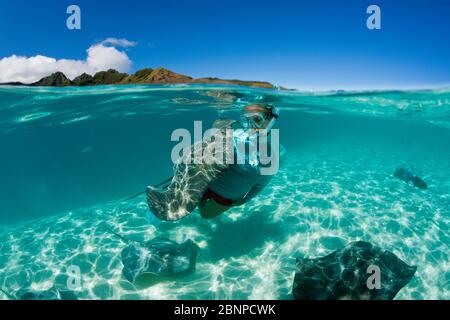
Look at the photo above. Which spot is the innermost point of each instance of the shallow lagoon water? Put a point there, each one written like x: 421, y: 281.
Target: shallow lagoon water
x: 69, y: 157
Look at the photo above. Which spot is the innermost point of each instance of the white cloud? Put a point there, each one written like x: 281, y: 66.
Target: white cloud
x: 101, y: 56
x: 119, y: 42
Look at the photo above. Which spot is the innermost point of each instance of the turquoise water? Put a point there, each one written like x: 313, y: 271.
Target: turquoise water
x: 69, y: 156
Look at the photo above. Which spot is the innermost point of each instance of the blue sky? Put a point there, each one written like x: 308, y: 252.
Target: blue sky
x: 301, y: 44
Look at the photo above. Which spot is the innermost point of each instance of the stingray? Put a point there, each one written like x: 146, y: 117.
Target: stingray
x: 406, y: 176
x: 160, y: 259
x: 344, y: 274
x: 191, y: 178
x: 148, y: 262
x: 53, y: 293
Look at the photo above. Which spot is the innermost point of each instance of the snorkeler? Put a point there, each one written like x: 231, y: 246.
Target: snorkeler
x: 216, y: 187
x: 240, y: 182
x: 407, y: 176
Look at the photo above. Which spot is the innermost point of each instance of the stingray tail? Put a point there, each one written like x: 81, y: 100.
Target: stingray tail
x: 123, y: 238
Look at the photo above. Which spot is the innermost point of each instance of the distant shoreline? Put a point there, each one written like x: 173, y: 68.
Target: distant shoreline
x: 159, y: 76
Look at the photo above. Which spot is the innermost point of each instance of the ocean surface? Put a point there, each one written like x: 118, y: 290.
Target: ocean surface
x: 69, y: 156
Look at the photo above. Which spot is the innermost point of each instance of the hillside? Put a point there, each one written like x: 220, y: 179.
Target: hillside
x: 159, y: 75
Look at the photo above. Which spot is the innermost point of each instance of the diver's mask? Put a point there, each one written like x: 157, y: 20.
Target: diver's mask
x: 256, y: 120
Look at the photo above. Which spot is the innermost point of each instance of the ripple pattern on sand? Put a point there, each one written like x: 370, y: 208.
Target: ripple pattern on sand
x: 314, y: 206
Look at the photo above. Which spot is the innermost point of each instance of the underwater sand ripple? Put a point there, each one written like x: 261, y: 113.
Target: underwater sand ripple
x: 250, y: 252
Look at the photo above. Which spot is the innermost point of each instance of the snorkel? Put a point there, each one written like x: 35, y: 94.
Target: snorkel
x: 274, y: 114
